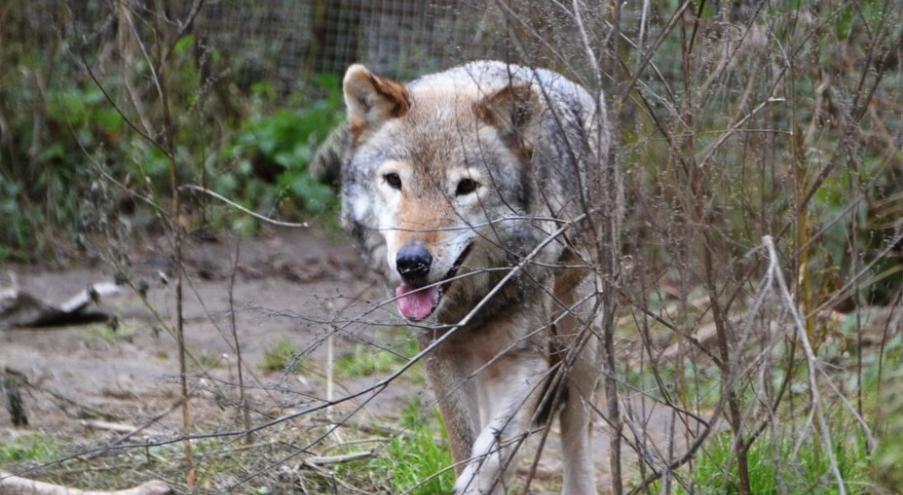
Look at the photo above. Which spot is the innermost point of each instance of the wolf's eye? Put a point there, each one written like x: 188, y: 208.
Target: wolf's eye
x: 393, y: 180
x: 466, y: 186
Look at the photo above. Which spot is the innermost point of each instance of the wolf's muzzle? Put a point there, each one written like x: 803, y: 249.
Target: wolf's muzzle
x: 413, y: 264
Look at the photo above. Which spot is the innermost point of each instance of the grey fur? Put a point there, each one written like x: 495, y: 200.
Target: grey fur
x: 541, y: 158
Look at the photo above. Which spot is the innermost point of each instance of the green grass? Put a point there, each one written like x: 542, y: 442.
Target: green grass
x: 282, y: 356
x: 366, y: 360
x: 108, y: 333
x: 32, y: 447
x: 207, y: 361
x: 772, y: 471
x: 889, y: 406
x: 418, y: 454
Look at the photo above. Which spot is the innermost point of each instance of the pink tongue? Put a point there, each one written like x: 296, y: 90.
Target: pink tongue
x: 416, y: 304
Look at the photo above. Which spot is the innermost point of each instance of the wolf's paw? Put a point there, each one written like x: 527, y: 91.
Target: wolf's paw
x: 474, y: 481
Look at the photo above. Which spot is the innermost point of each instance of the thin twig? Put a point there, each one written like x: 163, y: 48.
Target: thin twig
x: 242, y: 400
x: 237, y: 206
x: 811, y: 361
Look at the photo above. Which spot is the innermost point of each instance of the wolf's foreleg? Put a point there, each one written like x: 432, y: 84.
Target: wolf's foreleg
x: 511, y: 385
x: 576, y: 434
x: 457, y: 399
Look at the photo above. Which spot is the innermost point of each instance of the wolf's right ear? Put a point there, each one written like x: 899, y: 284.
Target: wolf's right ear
x: 515, y: 112
x: 371, y: 100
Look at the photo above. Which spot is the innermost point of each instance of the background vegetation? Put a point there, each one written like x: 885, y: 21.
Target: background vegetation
x: 79, y: 108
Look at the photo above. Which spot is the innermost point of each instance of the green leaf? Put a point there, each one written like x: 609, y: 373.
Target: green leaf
x: 54, y: 151
x: 182, y: 46
x: 317, y: 197
x: 843, y: 25
x: 226, y: 184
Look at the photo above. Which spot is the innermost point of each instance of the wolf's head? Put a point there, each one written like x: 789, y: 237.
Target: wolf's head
x: 438, y: 184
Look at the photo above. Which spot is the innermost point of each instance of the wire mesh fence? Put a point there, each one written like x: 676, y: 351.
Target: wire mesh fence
x: 399, y: 38
x: 290, y: 40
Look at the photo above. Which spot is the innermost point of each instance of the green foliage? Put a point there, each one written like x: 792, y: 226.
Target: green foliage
x: 108, y: 333
x: 32, y: 447
x: 207, y: 361
x: 363, y: 362
x: 773, y: 470
x: 868, y: 220
x: 40, y: 163
x: 366, y: 361
x: 251, y: 144
x: 889, y: 456
x: 754, y: 185
x: 416, y: 455
x: 885, y: 400
x: 17, y: 233
x: 282, y: 356
x: 269, y: 155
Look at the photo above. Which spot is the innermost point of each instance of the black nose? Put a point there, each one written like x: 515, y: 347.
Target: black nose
x: 413, y: 263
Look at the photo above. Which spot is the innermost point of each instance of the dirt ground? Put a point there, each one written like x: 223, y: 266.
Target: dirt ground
x: 287, y: 284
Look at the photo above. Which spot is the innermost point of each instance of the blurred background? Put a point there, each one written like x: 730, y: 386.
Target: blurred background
x: 135, y: 137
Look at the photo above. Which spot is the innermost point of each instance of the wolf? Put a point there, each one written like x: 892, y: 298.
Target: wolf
x: 469, y: 191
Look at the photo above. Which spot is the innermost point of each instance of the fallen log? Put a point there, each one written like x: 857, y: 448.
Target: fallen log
x: 15, y: 485
x: 22, y: 309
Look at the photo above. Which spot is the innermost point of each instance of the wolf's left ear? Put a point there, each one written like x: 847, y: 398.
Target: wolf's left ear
x: 371, y: 100
x: 515, y: 111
